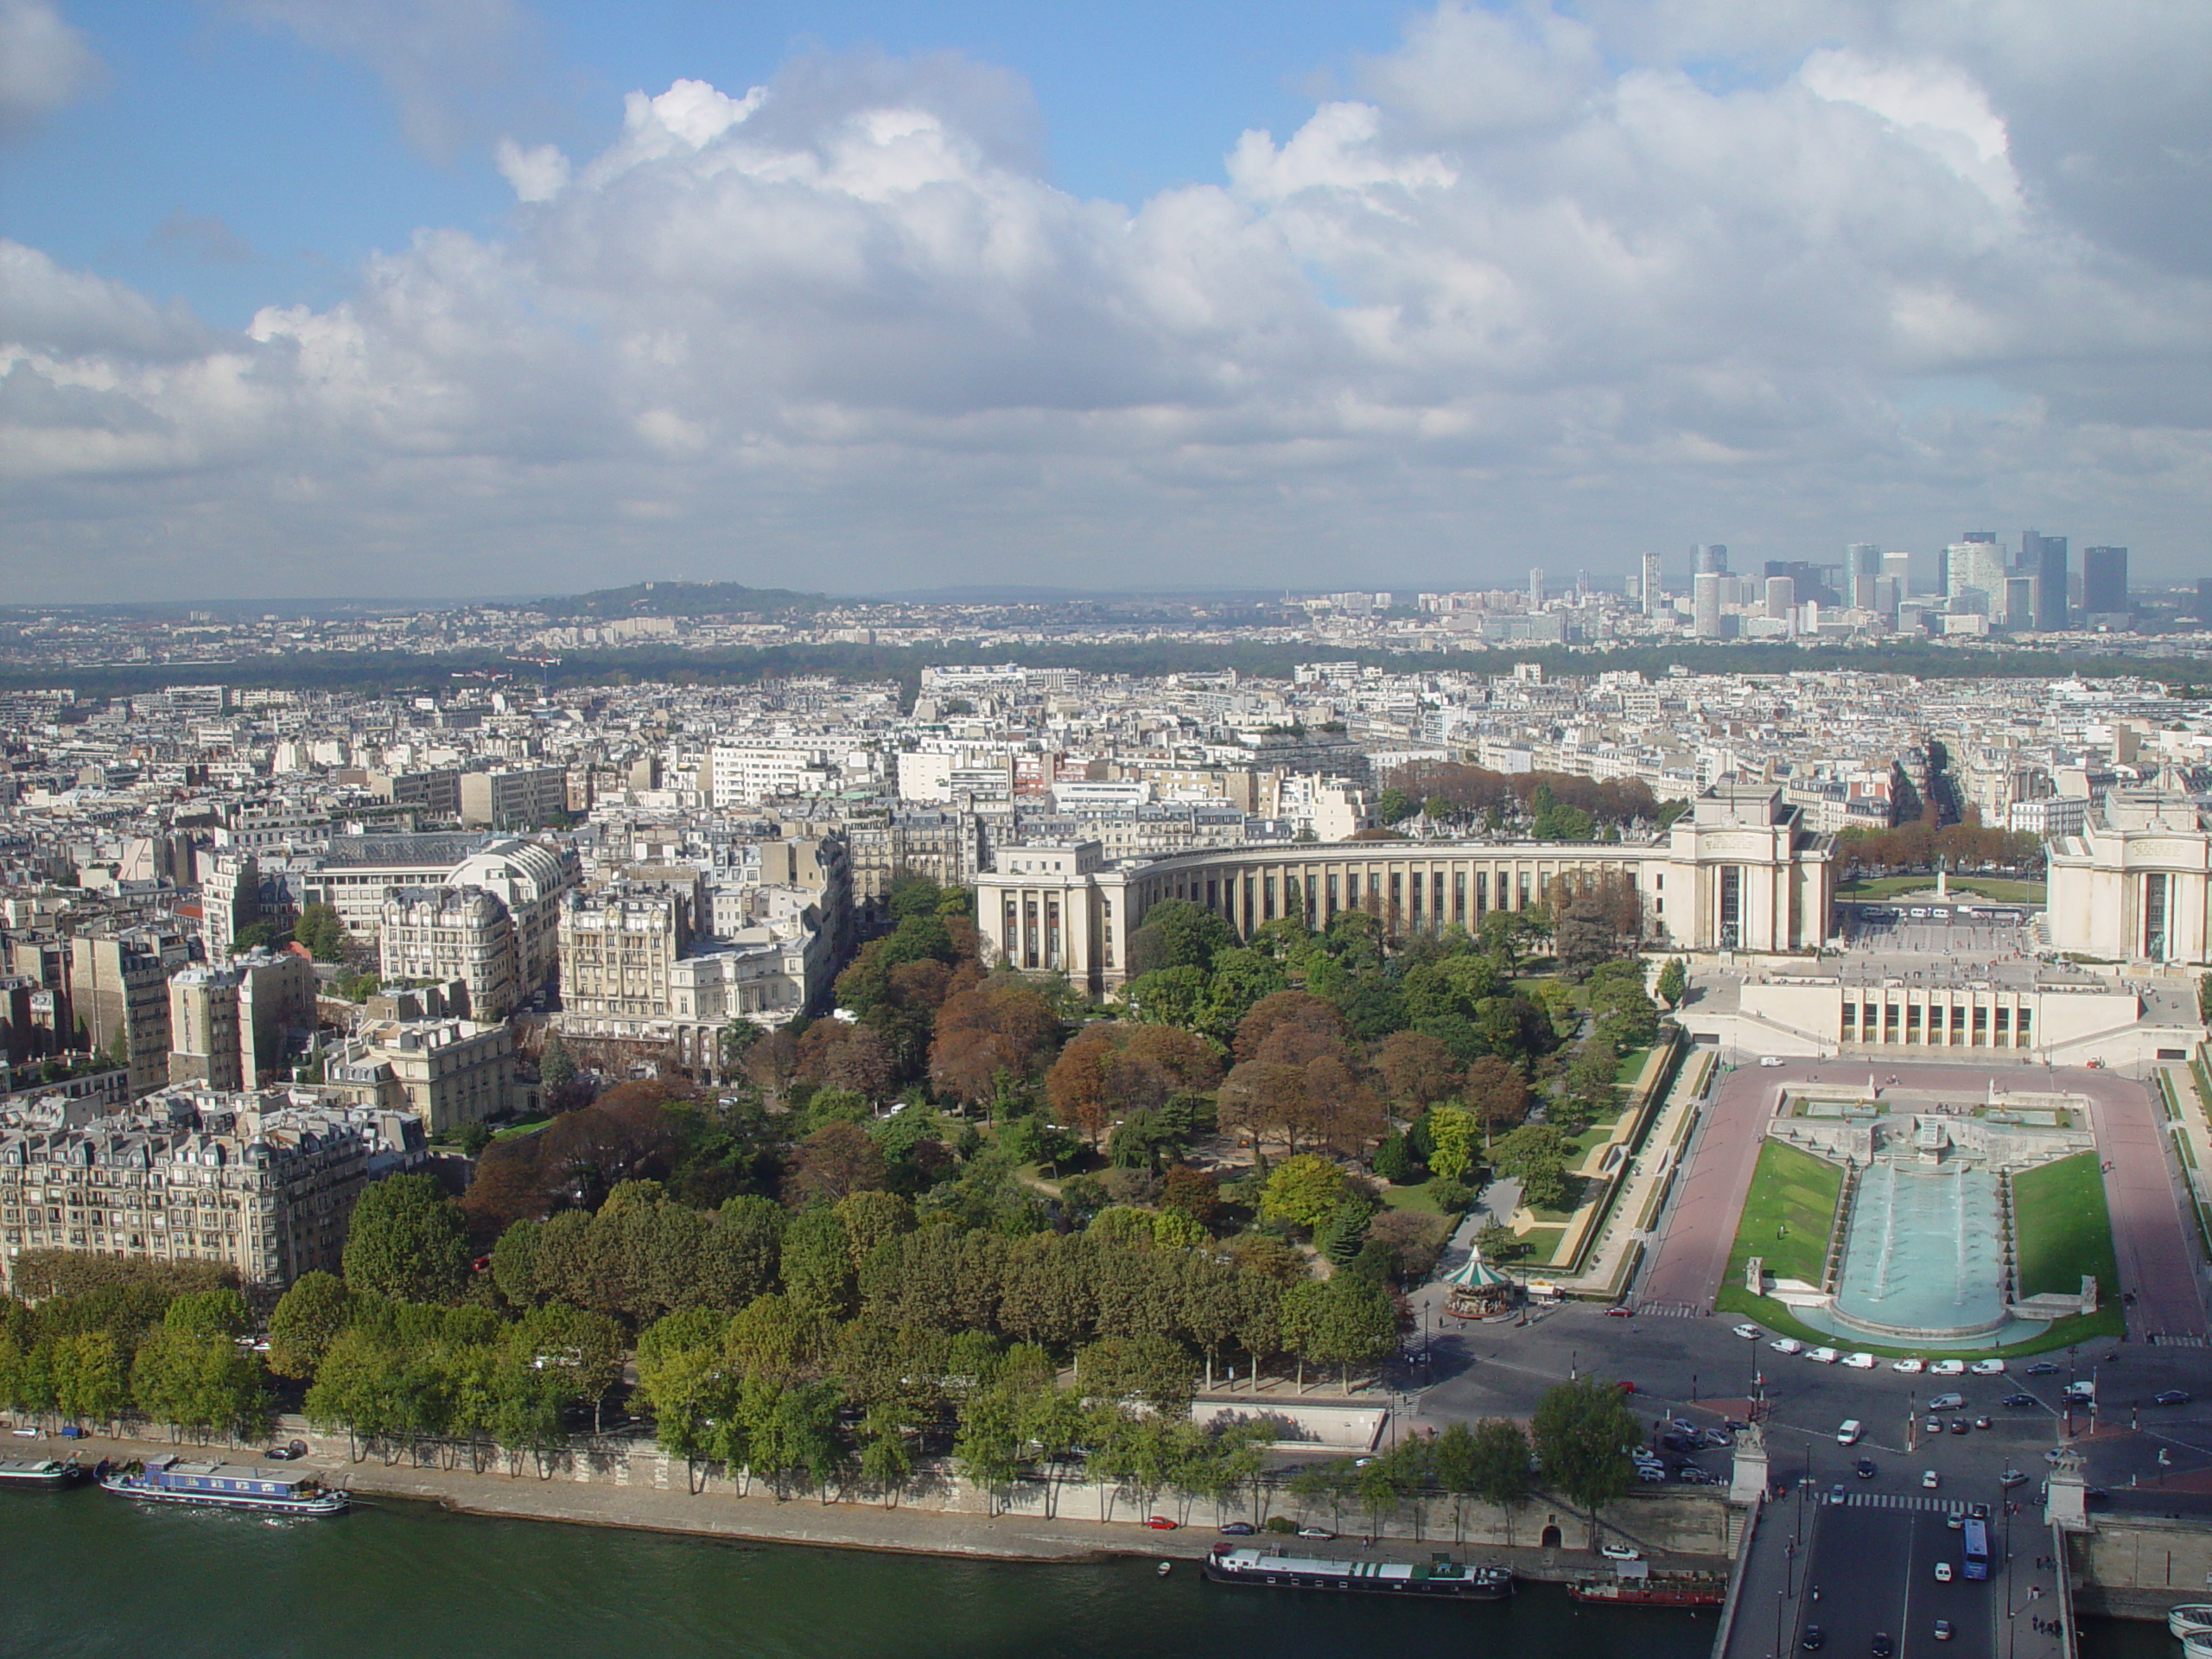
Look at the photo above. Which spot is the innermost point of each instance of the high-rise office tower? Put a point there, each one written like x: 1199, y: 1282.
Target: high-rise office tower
x: 2104, y: 581
x: 1654, y: 585
x: 1899, y: 566
x: 1705, y: 604
x: 2022, y: 592
x: 1535, y: 587
x: 1974, y: 573
x: 2044, y: 557
x: 1861, y: 559
x: 1781, y: 596
x: 1709, y: 558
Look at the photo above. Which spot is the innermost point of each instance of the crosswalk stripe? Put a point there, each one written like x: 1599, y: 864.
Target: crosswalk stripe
x: 1670, y: 1311
x: 1895, y: 1500
x: 2163, y: 1340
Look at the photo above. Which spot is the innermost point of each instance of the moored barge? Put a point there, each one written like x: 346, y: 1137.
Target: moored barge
x: 1228, y: 1564
x: 209, y: 1484
x: 1634, y: 1584
x: 41, y: 1474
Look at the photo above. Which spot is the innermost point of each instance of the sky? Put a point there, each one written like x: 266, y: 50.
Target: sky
x: 452, y: 297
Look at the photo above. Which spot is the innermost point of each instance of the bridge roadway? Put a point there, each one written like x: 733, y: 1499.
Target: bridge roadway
x: 1827, y: 1577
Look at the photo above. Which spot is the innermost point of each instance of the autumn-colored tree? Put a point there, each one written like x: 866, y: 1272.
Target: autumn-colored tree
x: 998, y: 1026
x: 1496, y: 1094
x: 628, y: 1134
x: 771, y: 1063
x: 1417, y: 1070
x: 836, y: 1161
x: 1299, y: 1022
x: 844, y: 1054
x: 1113, y: 1070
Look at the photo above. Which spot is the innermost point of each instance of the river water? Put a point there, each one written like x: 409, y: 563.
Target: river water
x: 82, y: 1574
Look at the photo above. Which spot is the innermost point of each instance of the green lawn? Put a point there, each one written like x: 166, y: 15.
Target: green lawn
x: 2003, y: 889
x: 1631, y: 1066
x: 1412, y: 1198
x: 1540, y: 1243
x: 2059, y: 1215
x: 1792, y: 1191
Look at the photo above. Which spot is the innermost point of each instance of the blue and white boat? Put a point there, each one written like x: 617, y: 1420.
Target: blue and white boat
x: 210, y: 1485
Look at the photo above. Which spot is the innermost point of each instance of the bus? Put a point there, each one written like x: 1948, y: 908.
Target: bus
x: 1976, y: 1537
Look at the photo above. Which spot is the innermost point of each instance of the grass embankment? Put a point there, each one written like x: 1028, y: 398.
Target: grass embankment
x: 2005, y: 890
x: 1786, y: 1214
x: 2061, y: 1230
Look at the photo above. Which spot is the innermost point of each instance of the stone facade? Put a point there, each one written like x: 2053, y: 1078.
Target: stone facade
x: 2136, y: 884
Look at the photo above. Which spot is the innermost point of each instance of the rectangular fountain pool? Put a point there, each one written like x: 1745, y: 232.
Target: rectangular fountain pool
x: 1922, y: 1253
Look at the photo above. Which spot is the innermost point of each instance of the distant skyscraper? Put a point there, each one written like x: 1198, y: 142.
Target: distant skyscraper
x: 1709, y: 558
x: 2044, y: 557
x: 1900, y: 565
x: 1535, y: 587
x: 2021, y: 593
x: 1705, y: 604
x: 2204, y: 599
x: 1781, y: 596
x: 1974, y: 573
x: 2104, y: 581
x: 1654, y: 586
x: 1861, y: 559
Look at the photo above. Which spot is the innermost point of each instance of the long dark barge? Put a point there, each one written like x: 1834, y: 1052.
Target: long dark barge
x: 1229, y: 1564
x: 41, y: 1474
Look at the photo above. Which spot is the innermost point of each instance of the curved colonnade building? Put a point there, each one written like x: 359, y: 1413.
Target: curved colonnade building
x: 1739, y: 871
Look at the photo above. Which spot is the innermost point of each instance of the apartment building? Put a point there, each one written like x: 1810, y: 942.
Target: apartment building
x: 514, y: 798
x: 262, y: 1183
x: 453, y: 933
x: 444, y: 1072
x: 119, y: 998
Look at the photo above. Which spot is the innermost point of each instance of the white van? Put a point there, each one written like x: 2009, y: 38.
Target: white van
x: 1848, y: 1433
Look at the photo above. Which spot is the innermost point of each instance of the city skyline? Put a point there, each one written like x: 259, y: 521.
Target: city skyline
x: 500, y: 299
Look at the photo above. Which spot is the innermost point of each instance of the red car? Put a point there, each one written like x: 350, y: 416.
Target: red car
x: 1620, y: 1311
x: 1160, y: 1523
x: 1625, y: 1386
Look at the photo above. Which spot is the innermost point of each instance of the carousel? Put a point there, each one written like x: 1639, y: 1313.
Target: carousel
x: 1478, y: 1291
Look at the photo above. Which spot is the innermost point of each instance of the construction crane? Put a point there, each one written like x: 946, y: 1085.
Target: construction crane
x: 545, y: 665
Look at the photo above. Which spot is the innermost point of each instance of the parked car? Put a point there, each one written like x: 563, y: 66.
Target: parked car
x: 2043, y: 1368
x: 1770, y: 1059
x: 1239, y: 1529
x: 1824, y: 1355
x: 1862, y: 1361
x: 1749, y: 1332
x: 1907, y: 1367
x: 1948, y: 1402
x: 1984, y: 1423
x: 1620, y: 1311
x: 286, y: 1453
x: 2018, y: 1400
x: 1787, y: 1346
x: 2172, y: 1397
x: 1682, y: 1426
x: 1315, y: 1532
x: 1620, y: 1552
x: 1650, y: 1473
x: 1948, y: 1368
x: 1720, y: 1437
x: 1160, y: 1524
x: 2011, y: 1479
x: 1961, y: 1426
x: 1987, y: 1368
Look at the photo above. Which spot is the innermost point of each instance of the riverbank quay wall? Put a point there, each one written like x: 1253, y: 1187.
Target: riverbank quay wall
x: 2140, y: 1563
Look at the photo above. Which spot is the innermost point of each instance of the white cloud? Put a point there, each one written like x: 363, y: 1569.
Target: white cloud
x: 44, y: 62
x: 1531, y: 294
x: 538, y: 174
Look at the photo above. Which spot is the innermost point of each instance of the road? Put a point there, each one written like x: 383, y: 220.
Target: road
x: 2157, y: 1244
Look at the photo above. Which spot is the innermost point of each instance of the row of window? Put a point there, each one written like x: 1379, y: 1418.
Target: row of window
x: 1979, y: 1026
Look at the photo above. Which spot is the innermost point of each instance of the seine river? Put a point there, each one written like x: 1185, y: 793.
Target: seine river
x: 84, y: 1573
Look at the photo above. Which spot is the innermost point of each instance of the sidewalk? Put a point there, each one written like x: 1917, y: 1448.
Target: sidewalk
x: 806, y: 1520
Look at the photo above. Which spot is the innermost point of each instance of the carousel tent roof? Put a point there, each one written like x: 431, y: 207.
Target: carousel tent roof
x: 1475, y: 1274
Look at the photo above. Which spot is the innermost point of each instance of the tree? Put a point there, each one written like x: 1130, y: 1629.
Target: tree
x: 1673, y: 983
x: 323, y: 930
x: 1451, y: 1142
x: 1303, y: 1190
x: 556, y: 1067
x: 886, y: 1462
x: 89, y: 1380
x: 1495, y: 1094
x: 306, y: 1321
x: 1177, y: 933
x: 207, y: 1313
x: 1583, y: 1434
x: 1417, y: 1068
x: 406, y: 1240
x: 835, y: 1160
